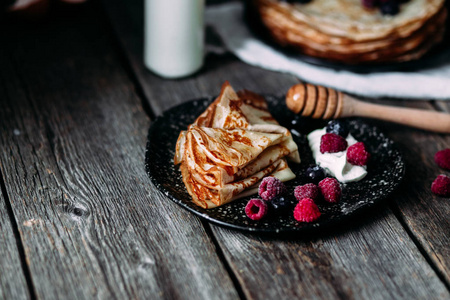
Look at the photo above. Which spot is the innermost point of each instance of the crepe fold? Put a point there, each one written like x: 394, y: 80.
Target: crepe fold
x: 231, y: 147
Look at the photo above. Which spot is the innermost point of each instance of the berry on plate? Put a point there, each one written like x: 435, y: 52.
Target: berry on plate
x: 309, y: 190
x: 330, y: 189
x: 280, y: 205
x: 389, y: 7
x: 337, y: 127
x: 358, y: 155
x: 315, y: 173
x: 306, y: 211
x: 256, y: 209
x: 270, y: 188
x: 441, y: 186
x: 332, y: 143
x: 369, y: 3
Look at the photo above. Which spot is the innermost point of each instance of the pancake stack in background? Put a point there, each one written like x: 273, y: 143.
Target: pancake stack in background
x: 346, y: 31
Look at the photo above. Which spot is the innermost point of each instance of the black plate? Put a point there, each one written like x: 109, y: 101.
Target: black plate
x: 437, y: 56
x: 384, y: 175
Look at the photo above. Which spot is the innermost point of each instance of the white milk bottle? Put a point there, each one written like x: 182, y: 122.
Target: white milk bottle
x: 173, y: 37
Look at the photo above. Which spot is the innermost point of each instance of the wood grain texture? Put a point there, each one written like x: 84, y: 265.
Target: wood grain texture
x: 72, y: 154
x: 425, y: 214
x: 370, y: 258
x: 12, y: 278
x: 373, y: 260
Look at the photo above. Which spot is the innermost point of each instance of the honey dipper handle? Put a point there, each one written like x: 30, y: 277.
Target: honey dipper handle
x: 422, y: 119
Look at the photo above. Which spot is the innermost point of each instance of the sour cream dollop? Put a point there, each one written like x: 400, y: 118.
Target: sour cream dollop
x: 336, y: 164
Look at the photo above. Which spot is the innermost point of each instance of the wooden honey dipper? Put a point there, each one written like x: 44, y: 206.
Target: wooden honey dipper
x: 320, y: 102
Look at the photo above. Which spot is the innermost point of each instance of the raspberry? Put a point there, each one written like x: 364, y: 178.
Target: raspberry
x: 309, y: 190
x: 331, y: 142
x: 306, y: 211
x: 270, y: 187
x: 357, y: 154
x: 256, y: 209
x: 330, y: 189
x: 369, y: 3
x: 442, y: 158
x: 441, y: 186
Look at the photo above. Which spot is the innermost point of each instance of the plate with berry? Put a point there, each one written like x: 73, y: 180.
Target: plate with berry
x: 312, y: 201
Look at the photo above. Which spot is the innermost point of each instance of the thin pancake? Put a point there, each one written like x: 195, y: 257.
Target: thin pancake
x: 342, y: 30
x: 237, y: 144
x: 348, y: 18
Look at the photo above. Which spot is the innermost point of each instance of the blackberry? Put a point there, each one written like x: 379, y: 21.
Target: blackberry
x: 280, y: 205
x: 315, y: 173
x: 338, y: 127
x: 390, y: 8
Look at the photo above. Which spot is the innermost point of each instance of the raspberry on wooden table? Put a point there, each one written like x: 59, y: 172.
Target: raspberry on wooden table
x: 441, y: 186
x: 442, y: 158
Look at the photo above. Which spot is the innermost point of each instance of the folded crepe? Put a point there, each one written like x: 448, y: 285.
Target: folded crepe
x: 231, y: 147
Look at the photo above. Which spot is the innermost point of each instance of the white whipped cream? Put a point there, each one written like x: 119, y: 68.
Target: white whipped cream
x: 335, y: 164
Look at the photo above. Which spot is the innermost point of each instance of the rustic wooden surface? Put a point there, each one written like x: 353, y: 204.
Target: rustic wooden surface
x: 424, y: 215
x: 80, y: 219
x: 390, y: 232
x: 13, y: 283
x: 91, y: 224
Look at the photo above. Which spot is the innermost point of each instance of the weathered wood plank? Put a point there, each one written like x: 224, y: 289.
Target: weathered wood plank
x: 371, y: 259
x: 425, y: 214
x: 72, y: 153
x: 12, y: 278
x: 374, y: 260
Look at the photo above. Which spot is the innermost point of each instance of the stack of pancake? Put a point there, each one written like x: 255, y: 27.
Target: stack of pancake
x: 344, y: 31
x: 231, y: 147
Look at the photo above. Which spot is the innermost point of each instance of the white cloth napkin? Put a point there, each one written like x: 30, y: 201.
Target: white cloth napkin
x: 431, y: 83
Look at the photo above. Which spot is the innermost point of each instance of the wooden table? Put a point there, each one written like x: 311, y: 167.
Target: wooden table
x: 80, y: 219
